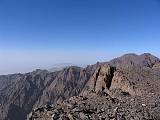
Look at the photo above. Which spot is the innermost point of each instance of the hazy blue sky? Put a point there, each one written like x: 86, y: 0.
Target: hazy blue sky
x: 40, y: 33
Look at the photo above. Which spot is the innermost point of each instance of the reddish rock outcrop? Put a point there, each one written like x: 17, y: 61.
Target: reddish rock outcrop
x: 100, y: 80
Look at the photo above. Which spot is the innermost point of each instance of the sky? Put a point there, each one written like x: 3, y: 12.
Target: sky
x: 41, y: 33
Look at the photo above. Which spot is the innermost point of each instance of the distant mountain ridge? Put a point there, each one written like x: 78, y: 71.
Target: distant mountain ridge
x: 27, y: 92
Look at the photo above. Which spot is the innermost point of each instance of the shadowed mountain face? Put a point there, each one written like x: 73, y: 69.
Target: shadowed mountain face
x: 41, y: 87
x: 68, y: 82
x: 124, y: 78
x: 22, y: 94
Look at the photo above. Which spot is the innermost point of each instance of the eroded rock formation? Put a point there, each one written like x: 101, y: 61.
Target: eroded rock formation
x: 101, y: 79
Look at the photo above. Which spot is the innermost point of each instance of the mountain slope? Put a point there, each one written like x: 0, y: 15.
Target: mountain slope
x: 68, y: 82
x: 6, y: 80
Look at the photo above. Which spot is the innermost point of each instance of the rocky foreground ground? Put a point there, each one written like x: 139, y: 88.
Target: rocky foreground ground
x: 99, y: 107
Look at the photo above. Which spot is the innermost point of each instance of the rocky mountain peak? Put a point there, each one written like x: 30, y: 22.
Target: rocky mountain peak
x: 131, y: 60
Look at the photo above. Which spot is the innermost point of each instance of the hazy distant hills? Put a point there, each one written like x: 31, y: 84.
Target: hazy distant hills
x: 125, y: 78
x: 60, y: 66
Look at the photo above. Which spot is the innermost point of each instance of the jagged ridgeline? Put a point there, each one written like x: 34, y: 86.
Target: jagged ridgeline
x: 124, y: 88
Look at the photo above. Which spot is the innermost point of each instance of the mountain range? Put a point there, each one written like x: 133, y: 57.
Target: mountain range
x: 127, y: 87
